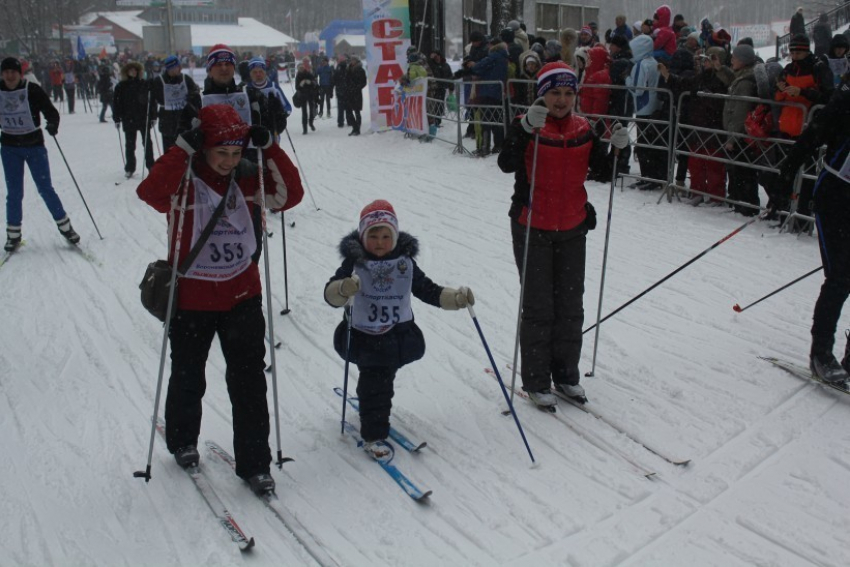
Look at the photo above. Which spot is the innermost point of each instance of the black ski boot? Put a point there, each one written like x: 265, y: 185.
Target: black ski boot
x: 261, y: 483
x: 187, y: 456
x: 826, y: 369
x: 13, y: 238
x: 67, y: 230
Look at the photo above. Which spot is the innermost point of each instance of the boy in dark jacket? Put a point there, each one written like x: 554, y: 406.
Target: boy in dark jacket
x: 134, y: 107
x: 379, y: 275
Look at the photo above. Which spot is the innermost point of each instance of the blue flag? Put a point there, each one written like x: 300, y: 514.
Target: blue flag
x: 81, y: 51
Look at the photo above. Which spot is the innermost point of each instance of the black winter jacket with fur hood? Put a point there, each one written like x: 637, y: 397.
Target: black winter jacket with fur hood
x: 403, y: 343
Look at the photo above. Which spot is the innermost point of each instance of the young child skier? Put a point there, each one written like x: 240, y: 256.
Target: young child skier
x: 379, y: 273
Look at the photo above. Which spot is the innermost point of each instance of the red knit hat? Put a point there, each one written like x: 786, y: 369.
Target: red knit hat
x: 378, y: 213
x: 556, y: 74
x: 219, y: 53
x: 222, y: 126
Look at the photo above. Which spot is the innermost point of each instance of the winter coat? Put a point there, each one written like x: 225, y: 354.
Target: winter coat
x: 838, y: 65
x: 269, y: 106
x: 521, y: 37
x: 816, y: 83
x: 306, y: 85
x: 644, y: 74
x: 620, y: 103
x: 569, y: 41
x: 105, y: 88
x: 161, y: 190
x: 404, y: 342
x: 355, y: 82
x: 526, y: 93
x: 133, y: 104
x: 704, y: 112
x: 822, y: 36
x: 798, y: 24
x: 441, y: 70
x: 735, y: 111
x: 568, y: 149
x: 595, y: 101
x: 625, y: 30
x: 325, y: 76
x: 39, y: 103
x: 665, y: 37
x: 494, y: 67
x: 340, y: 80
x: 169, y: 120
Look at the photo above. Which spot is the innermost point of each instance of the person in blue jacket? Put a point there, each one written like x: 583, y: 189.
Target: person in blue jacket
x: 379, y: 275
x: 325, y: 74
x: 487, y: 96
x: 643, y: 77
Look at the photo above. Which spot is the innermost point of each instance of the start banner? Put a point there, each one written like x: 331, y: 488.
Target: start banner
x: 387, y: 39
x: 410, y: 108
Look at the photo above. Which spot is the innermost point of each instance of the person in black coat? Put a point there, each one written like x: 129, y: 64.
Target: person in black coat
x: 441, y: 70
x: 173, y: 90
x: 135, y: 109
x: 831, y: 126
x: 379, y: 275
x: 822, y: 36
x: 340, y: 81
x: 355, y: 83
x: 307, y: 87
x: 105, y: 89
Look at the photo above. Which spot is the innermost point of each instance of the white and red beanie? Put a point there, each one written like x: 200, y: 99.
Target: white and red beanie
x: 222, y: 126
x: 220, y: 53
x: 378, y: 213
x: 554, y: 75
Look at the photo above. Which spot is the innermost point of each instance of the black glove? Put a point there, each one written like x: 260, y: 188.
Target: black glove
x: 590, y: 219
x: 191, y: 141
x: 117, y: 124
x: 260, y: 137
x: 52, y: 128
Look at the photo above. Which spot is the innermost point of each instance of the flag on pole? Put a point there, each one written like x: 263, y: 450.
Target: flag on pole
x: 81, y: 51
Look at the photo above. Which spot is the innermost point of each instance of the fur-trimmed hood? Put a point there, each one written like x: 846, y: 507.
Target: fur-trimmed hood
x: 569, y: 39
x: 140, y: 70
x: 350, y: 247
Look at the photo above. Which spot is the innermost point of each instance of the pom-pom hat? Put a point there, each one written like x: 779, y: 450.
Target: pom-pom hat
x: 171, y: 62
x: 222, y: 126
x: 218, y: 54
x: 375, y: 214
x: 554, y: 75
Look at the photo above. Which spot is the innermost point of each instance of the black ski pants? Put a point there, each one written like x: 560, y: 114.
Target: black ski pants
x: 550, y: 333
x: 832, y: 214
x: 130, y: 148
x: 375, y: 391
x: 241, y: 333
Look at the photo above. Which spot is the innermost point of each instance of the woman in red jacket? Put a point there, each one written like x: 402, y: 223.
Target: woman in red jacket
x: 221, y: 291
x: 560, y: 216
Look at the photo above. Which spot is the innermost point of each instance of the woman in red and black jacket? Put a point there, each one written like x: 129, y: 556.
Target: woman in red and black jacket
x: 552, y: 307
x: 220, y: 292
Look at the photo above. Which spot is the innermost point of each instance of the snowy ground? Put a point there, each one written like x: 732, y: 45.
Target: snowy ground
x: 770, y: 453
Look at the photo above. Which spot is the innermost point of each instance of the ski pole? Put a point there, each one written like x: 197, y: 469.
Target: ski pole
x: 739, y: 309
x: 285, y: 310
x: 78, y: 187
x: 604, y: 261
x: 120, y: 144
x: 156, y: 142
x: 501, y: 383
x: 261, y: 204
x: 301, y: 171
x: 348, y: 309
x: 147, y: 135
x: 524, y: 264
x: 184, y: 190
x: 676, y: 271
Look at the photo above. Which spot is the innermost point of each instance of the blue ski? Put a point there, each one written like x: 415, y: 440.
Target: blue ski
x: 401, y: 479
x: 395, y: 434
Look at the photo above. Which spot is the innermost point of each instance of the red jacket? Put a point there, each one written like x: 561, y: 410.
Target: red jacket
x: 161, y: 190
x: 665, y: 37
x: 57, y: 76
x: 595, y: 101
x: 562, y: 158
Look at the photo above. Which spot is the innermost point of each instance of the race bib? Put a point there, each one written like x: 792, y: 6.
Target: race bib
x: 15, y: 114
x: 227, y: 252
x: 238, y: 100
x: 384, y: 297
x: 844, y: 172
x: 174, y: 95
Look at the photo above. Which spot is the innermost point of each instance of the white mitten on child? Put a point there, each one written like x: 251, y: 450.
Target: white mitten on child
x: 453, y: 299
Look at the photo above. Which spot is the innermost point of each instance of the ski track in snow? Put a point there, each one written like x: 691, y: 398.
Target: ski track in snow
x: 678, y: 370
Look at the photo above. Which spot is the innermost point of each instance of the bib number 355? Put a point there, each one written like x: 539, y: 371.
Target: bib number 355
x: 384, y: 313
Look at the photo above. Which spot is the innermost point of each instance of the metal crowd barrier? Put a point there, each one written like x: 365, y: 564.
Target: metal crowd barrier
x: 763, y: 154
x: 439, y: 111
x: 477, y: 114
